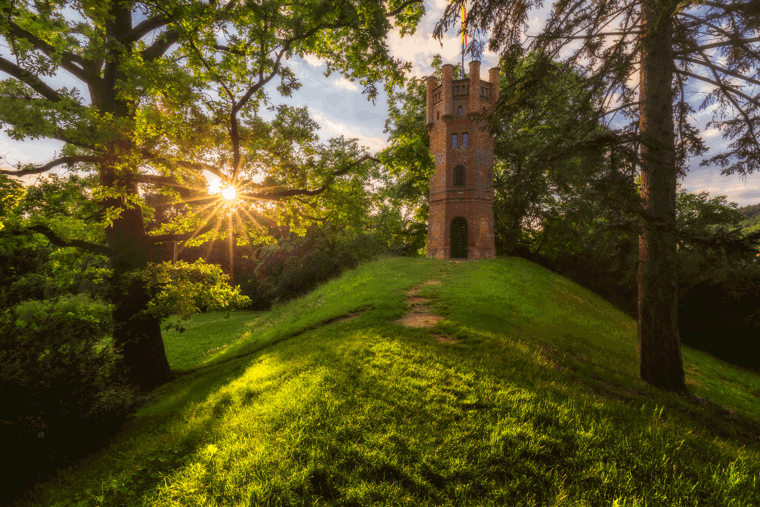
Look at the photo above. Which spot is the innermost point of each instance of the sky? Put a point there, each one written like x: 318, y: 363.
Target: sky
x: 340, y: 108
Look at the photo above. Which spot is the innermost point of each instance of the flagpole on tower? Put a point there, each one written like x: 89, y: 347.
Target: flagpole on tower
x: 464, y: 35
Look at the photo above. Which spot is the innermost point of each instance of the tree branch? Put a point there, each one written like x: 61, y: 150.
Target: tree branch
x: 704, y: 22
x: 153, y: 179
x: 245, y: 98
x: 733, y: 101
x: 274, y: 196
x: 715, y: 68
x: 216, y: 171
x: 30, y: 79
x: 50, y: 165
x: 714, y: 45
x: 161, y: 46
x: 607, y: 34
x: 69, y: 61
x: 179, y: 237
x: 228, y: 49
x: 186, y: 164
x: 722, y: 86
x: 346, y: 169
x: 144, y: 28
x: 58, y: 241
x: 402, y: 7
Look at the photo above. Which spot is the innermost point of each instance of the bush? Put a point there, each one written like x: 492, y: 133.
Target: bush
x: 60, y: 390
x: 184, y: 288
x: 719, y: 312
x: 295, y: 265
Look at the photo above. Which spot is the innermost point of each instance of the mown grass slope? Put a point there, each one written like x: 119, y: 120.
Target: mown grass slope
x: 537, y: 402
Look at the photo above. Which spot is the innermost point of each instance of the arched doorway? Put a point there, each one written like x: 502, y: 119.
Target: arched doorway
x: 459, y: 238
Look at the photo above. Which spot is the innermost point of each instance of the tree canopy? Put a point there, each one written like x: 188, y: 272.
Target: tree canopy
x: 167, y: 91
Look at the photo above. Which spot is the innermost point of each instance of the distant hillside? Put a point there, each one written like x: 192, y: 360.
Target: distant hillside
x: 752, y: 214
x: 751, y: 211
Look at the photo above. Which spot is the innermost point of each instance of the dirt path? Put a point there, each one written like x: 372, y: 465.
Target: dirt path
x: 421, y: 315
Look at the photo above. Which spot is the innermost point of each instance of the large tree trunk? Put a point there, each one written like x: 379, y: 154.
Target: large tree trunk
x: 136, y: 335
x: 659, y: 342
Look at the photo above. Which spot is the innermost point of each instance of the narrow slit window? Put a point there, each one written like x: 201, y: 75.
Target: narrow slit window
x: 438, y: 116
x: 464, y: 140
x: 460, y: 110
x: 453, y: 140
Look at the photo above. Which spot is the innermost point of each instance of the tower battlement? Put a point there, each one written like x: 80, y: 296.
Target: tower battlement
x: 473, y: 95
x: 460, y: 223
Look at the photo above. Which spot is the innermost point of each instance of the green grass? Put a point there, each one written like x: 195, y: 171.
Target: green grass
x: 205, y: 336
x: 537, y: 403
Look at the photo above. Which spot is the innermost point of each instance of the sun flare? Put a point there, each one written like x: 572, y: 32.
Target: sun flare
x: 229, y: 193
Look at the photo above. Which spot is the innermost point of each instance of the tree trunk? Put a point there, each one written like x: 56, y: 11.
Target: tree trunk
x: 659, y: 344
x: 136, y: 335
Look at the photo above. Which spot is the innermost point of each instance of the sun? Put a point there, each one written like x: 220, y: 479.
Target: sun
x: 229, y: 193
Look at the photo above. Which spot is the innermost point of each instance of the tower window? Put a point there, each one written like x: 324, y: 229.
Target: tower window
x: 438, y: 116
x: 453, y: 140
x: 459, y: 176
x: 464, y: 140
x: 460, y: 110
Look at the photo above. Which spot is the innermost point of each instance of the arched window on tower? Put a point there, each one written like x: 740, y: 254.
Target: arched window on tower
x: 464, y: 140
x: 460, y: 178
x: 460, y: 110
x: 453, y: 140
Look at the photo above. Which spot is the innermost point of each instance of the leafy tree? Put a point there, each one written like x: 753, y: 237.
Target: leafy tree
x: 407, y: 160
x: 167, y: 90
x: 751, y: 222
x: 663, y: 43
x: 534, y: 191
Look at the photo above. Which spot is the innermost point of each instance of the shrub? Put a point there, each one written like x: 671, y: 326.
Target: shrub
x: 60, y: 390
x: 184, y: 288
x: 719, y: 312
x: 295, y: 265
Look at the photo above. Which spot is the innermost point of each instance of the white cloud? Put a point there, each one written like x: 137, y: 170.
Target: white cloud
x: 214, y: 185
x: 314, y: 61
x: 741, y: 191
x: 710, y: 133
x: 37, y: 151
x: 345, y: 83
x: 331, y: 127
x: 335, y: 127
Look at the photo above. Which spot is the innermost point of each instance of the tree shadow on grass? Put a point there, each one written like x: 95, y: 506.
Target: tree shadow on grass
x: 358, y: 360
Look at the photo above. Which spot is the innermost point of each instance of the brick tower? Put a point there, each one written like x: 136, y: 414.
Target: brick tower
x: 460, y: 223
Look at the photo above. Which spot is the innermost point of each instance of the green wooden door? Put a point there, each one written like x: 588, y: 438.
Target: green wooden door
x: 459, y: 238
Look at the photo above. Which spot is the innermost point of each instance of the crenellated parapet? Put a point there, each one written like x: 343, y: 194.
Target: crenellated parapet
x: 473, y: 95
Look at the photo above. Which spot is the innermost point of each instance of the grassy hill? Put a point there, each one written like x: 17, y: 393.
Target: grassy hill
x: 527, y: 393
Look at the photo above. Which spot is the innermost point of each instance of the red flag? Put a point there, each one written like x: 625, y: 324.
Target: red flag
x: 464, y: 29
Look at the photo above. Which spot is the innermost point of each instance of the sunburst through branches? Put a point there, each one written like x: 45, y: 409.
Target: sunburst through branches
x: 228, y: 203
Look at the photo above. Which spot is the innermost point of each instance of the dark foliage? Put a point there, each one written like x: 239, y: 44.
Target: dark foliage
x: 295, y: 265
x: 61, y: 393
